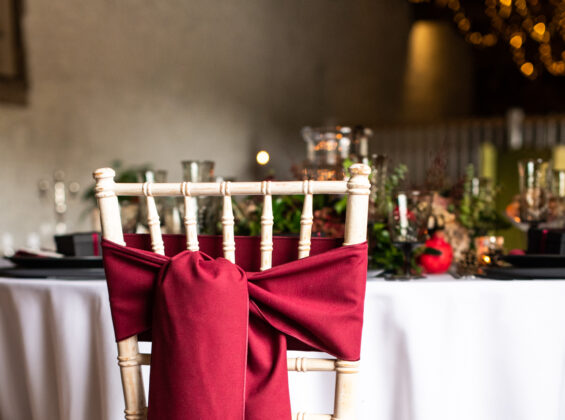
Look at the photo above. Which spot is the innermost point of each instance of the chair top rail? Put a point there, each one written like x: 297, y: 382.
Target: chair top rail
x: 235, y: 188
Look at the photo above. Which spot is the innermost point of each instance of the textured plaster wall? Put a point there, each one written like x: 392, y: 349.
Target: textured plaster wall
x: 162, y: 81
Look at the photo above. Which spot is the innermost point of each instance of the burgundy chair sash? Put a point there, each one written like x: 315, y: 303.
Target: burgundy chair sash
x: 220, y: 334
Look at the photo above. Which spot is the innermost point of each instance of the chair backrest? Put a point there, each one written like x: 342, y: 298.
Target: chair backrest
x: 357, y: 190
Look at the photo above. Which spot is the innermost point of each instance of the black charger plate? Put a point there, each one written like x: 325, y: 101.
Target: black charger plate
x: 54, y: 273
x: 524, y: 273
x: 535, y: 260
x: 64, y: 262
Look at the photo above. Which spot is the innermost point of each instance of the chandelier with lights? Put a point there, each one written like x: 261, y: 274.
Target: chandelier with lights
x: 533, y: 29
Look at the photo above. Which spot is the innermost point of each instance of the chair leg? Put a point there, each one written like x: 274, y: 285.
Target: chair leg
x: 132, y: 381
x: 345, y: 390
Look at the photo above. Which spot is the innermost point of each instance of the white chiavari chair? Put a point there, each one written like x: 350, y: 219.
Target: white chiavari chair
x: 357, y: 190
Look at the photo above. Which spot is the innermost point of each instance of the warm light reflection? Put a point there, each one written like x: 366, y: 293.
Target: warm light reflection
x: 327, y: 145
x: 429, y: 60
x: 506, y: 3
x: 486, y: 259
x: 262, y: 157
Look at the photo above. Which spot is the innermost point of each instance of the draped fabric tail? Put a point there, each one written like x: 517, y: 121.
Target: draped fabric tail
x: 131, y: 275
x: 199, y: 340
x: 267, y: 394
x: 317, y: 306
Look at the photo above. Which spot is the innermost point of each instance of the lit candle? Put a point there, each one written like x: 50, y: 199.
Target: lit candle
x: 403, y: 214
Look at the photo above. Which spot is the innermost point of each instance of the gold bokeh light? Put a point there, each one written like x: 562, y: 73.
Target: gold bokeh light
x: 516, y: 41
x: 539, y: 29
x: 527, y: 68
x: 262, y: 157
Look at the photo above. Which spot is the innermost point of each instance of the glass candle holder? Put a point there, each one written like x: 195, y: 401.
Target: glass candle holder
x: 198, y: 170
x: 556, y: 211
x: 202, y: 171
x: 326, y: 149
x: 534, y: 179
x: 489, y: 249
x: 408, y: 224
x: 359, y: 148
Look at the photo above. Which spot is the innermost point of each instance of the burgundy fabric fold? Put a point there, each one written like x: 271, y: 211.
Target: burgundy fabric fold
x: 220, y: 334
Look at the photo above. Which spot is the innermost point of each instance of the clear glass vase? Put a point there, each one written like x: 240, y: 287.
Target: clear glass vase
x: 167, y: 207
x: 326, y: 149
x: 534, y: 180
x: 198, y: 170
x: 207, y: 207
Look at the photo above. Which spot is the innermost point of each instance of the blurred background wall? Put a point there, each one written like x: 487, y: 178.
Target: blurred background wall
x: 164, y: 81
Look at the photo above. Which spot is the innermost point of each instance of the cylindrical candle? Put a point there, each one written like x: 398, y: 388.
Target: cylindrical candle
x: 487, y: 161
x: 559, y: 157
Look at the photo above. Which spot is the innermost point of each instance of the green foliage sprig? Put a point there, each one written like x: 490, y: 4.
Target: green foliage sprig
x: 393, y: 181
x: 287, y: 210
x: 383, y: 252
x: 388, y: 257
x: 476, y: 210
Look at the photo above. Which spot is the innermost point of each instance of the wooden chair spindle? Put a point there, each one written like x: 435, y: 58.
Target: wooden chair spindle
x: 227, y: 223
x: 266, y: 227
x: 190, y: 223
x: 153, y: 221
x: 306, y: 221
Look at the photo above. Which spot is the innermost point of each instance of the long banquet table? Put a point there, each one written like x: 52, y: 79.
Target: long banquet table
x: 434, y: 349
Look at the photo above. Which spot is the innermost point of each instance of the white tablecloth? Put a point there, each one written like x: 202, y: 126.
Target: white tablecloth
x: 438, y: 349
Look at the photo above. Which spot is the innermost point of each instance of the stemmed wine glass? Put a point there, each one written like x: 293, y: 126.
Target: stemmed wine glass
x: 557, y: 200
x: 408, y: 223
